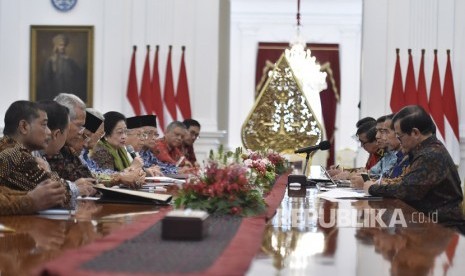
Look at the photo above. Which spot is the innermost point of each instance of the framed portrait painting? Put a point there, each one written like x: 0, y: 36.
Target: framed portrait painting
x: 61, y: 62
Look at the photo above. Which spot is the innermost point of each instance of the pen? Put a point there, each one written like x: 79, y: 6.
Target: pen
x: 380, y: 178
x: 180, y: 161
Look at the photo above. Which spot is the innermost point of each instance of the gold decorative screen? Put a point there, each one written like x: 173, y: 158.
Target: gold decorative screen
x: 281, y: 118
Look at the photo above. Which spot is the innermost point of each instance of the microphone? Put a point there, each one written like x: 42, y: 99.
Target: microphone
x: 324, y: 145
x: 131, y: 151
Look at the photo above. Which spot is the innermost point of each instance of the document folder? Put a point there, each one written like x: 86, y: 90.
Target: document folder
x: 120, y: 195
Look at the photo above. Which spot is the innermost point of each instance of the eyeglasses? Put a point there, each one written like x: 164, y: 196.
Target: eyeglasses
x: 151, y: 134
x: 86, y: 137
x: 364, y: 143
x: 139, y: 135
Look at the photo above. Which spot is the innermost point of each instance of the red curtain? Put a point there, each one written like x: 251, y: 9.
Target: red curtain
x: 323, y: 53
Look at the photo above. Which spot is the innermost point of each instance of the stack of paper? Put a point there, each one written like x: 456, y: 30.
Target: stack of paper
x: 344, y: 193
x: 60, y: 214
x: 164, y: 179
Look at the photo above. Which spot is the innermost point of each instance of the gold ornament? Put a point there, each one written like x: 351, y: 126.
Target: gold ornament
x: 281, y: 118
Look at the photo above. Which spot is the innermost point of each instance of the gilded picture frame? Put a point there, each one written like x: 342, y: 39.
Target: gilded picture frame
x: 61, y: 61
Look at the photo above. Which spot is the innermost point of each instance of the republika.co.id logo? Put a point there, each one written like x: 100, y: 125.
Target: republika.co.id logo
x: 360, y: 218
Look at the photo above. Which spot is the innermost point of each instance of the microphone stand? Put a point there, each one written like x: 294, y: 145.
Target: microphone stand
x: 304, y: 172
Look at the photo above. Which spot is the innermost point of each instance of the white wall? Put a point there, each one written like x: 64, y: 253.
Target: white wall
x: 336, y: 21
x: 415, y: 24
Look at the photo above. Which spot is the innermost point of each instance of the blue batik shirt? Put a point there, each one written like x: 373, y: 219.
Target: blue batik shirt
x: 384, y: 164
x: 150, y: 160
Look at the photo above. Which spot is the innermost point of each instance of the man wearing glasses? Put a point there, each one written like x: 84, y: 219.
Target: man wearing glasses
x: 144, y: 128
x: 431, y: 183
x: 67, y: 162
x: 168, y: 148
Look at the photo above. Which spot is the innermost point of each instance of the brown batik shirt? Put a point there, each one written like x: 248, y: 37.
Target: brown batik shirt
x: 68, y: 165
x: 431, y: 183
x: 19, y: 169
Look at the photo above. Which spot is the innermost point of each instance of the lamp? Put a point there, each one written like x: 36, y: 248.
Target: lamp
x: 304, y: 66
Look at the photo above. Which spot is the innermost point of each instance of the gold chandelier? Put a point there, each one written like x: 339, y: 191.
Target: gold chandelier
x: 306, y: 70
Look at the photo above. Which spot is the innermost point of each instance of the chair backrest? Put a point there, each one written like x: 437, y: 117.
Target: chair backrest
x: 346, y: 158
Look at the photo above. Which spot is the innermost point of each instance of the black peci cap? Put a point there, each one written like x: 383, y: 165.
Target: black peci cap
x: 92, y: 122
x: 141, y: 121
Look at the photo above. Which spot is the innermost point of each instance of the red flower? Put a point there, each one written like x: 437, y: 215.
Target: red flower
x: 235, y: 210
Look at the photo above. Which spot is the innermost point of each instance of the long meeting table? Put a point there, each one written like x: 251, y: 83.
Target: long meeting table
x: 307, y: 235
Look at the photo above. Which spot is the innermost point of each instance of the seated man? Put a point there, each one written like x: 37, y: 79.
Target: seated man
x: 431, y: 183
x: 58, y: 123
x: 25, y: 131
x: 168, y: 148
x: 146, y: 128
x: 193, y: 131
x: 93, y: 133
x: 393, y: 144
x: 389, y: 158
x: 366, y: 134
x: 67, y: 163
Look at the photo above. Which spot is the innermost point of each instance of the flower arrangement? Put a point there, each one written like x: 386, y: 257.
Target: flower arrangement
x: 222, y: 189
x: 280, y: 163
x: 232, y: 182
x: 263, y: 171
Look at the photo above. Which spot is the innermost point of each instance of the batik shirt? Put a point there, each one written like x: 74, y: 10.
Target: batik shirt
x: 92, y: 165
x: 431, y: 182
x: 19, y: 170
x: 384, y: 164
x: 15, y: 202
x: 150, y: 160
x: 68, y: 165
x: 398, y: 170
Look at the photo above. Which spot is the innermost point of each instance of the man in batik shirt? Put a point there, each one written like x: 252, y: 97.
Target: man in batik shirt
x: 431, y: 183
x: 67, y: 163
x: 393, y: 144
x: 25, y: 131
